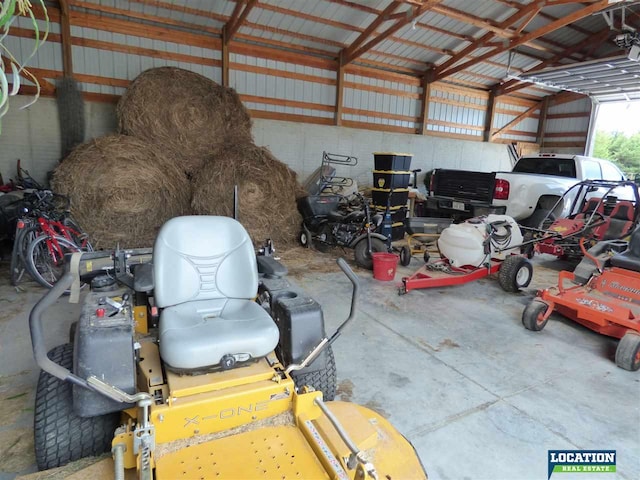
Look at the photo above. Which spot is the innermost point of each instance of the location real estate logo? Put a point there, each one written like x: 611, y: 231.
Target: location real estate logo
x: 581, y: 461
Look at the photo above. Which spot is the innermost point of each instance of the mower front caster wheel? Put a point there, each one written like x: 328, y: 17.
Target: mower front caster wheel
x: 533, y: 316
x: 515, y: 273
x: 628, y: 352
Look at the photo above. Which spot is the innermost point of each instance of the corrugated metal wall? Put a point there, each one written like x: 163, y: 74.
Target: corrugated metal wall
x: 109, y: 52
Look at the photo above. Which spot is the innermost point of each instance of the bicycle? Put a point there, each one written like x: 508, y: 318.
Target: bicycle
x: 44, y: 235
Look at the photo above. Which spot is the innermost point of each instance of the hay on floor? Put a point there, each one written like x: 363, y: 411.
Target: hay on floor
x: 122, y: 190
x: 184, y: 112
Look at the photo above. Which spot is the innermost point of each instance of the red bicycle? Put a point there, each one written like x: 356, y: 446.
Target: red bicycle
x: 44, y: 236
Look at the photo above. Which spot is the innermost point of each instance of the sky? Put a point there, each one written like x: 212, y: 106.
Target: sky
x: 619, y: 117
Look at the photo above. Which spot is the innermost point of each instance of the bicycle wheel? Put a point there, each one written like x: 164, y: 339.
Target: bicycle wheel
x: 22, y: 240
x: 45, y: 261
x: 78, y: 235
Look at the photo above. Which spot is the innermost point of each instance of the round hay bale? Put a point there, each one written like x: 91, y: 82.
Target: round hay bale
x: 184, y: 112
x: 122, y: 190
x: 267, y: 192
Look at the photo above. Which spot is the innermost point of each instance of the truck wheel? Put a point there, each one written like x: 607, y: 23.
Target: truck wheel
x: 60, y: 436
x: 324, y: 380
x: 362, y: 256
x: 628, y: 352
x: 405, y: 256
x: 515, y: 273
x: 532, y: 316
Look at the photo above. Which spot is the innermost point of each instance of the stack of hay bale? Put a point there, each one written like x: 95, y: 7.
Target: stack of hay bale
x: 183, y: 143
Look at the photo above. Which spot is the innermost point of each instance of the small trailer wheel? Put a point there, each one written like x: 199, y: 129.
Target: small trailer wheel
x: 628, y: 352
x: 303, y: 239
x: 515, y: 273
x: 405, y: 256
x: 426, y: 257
x: 533, y: 316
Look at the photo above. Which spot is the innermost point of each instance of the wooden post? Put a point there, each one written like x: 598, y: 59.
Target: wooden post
x: 65, y: 34
x: 225, y: 57
x: 339, y: 90
x: 488, y: 119
x: 542, y: 121
x: 426, y: 93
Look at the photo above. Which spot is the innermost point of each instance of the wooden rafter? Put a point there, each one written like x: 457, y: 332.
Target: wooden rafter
x: 522, y: 39
x: 237, y: 19
x: 357, y: 49
x: 555, y: 99
x: 65, y: 32
x: 482, y: 41
x: 515, y: 84
x: 380, y: 19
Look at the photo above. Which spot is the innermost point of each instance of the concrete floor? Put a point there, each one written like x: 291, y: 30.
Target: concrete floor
x: 453, y: 369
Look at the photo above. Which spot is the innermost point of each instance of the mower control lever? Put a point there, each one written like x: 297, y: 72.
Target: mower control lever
x: 353, y: 278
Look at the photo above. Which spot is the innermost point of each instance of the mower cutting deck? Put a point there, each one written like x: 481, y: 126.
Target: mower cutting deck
x: 607, y: 302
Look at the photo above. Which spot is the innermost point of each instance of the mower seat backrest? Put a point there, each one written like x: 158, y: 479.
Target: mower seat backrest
x: 206, y: 277
x: 621, y: 220
x: 629, y: 259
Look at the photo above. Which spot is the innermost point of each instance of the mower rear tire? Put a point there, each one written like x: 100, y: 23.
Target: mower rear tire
x: 361, y: 254
x: 60, y: 436
x: 515, y: 273
x: 628, y: 352
x: 533, y: 316
x: 405, y: 256
x: 324, y: 380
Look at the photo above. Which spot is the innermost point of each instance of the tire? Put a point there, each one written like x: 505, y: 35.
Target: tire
x: 515, y: 273
x: 426, y: 257
x: 405, y: 256
x: 628, y: 352
x: 527, y: 250
x: 361, y: 254
x: 303, y: 239
x: 325, y: 245
x: 18, y: 255
x: 40, y: 264
x: 532, y: 316
x: 324, y: 380
x: 60, y: 436
x: 82, y: 239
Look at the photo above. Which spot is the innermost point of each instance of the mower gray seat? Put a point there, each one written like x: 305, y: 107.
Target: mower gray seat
x: 629, y: 259
x: 206, y: 278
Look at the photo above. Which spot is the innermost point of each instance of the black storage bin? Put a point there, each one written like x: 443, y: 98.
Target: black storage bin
x: 399, y: 197
x: 314, y: 205
x: 398, y: 214
x: 391, y: 179
x: 397, y: 231
x: 399, y: 162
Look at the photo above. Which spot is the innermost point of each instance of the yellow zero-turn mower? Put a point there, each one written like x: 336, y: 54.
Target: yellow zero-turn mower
x: 200, y: 360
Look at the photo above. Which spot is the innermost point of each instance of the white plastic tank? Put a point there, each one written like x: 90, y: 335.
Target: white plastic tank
x: 464, y: 243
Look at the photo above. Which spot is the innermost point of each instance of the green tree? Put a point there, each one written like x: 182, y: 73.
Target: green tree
x: 619, y: 148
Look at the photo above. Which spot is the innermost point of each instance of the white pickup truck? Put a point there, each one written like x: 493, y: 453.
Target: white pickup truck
x: 526, y: 193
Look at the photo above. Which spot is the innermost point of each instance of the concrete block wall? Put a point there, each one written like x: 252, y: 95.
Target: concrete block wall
x: 33, y: 136
x: 300, y: 146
